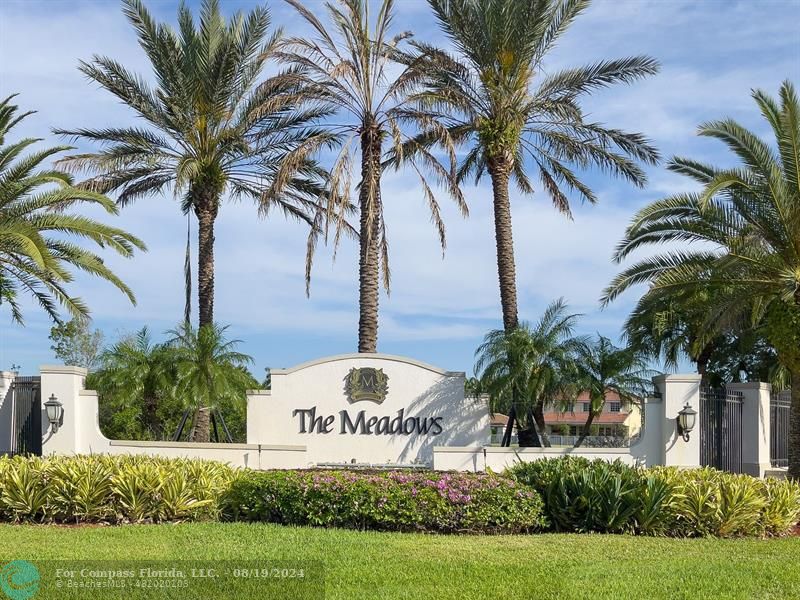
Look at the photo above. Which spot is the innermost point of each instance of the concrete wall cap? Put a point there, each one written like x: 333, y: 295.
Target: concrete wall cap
x: 372, y: 356
x: 748, y: 385
x: 678, y: 378
x: 62, y: 370
x: 204, y: 445
x: 502, y: 450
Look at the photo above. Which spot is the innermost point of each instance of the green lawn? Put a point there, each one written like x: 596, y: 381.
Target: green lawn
x: 380, y: 565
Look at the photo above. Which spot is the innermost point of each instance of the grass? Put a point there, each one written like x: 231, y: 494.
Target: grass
x: 383, y: 565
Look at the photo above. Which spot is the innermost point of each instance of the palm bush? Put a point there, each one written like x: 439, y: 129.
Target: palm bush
x: 135, y: 380
x: 209, y: 373
x: 738, y: 238
x: 37, y: 251
x: 601, y: 367
x: 528, y: 368
x: 211, y: 128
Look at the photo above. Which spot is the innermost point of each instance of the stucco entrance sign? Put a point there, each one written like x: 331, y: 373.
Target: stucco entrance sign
x: 371, y: 408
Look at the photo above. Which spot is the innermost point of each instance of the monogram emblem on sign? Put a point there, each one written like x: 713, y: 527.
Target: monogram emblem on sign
x: 367, y: 384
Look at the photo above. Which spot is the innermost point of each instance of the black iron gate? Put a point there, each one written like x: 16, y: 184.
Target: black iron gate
x: 721, y: 429
x: 779, y: 428
x: 26, y: 416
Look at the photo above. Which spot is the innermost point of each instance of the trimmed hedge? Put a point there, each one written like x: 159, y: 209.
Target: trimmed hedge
x: 612, y: 497
x: 386, y: 501
x: 564, y: 494
x: 111, y: 489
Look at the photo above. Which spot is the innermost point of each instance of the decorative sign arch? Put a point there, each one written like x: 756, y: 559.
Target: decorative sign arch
x: 367, y: 408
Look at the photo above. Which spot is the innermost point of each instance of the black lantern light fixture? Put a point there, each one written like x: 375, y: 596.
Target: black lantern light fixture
x: 55, y: 412
x: 687, y: 418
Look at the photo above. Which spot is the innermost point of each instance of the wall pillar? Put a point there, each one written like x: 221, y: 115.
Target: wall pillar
x: 755, y: 426
x: 66, y: 384
x: 647, y: 450
x: 6, y: 419
x: 676, y: 391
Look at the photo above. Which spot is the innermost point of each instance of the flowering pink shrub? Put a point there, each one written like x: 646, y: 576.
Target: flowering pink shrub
x: 385, y: 500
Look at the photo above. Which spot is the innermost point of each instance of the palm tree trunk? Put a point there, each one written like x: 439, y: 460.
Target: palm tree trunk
x: 587, y: 427
x: 541, y: 425
x: 528, y: 438
x: 509, y: 432
x: 500, y: 171
x: 794, y: 425
x: 369, y: 200
x: 151, y: 417
x: 702, y: 362
x: 201, y: 432
x: 206, y: 206
x: 793, y: 364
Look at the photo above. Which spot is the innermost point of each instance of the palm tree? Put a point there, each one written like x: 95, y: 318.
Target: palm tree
x: 209, y: 372
x: 137, y: 372
x: 747, y: 220
x: 35, y: 227
x: 348, y: 68
x: 211, y: 129
x: 527, y: 368
x: 602, y: 368
x: 668, y: 329
x: 491, y: 97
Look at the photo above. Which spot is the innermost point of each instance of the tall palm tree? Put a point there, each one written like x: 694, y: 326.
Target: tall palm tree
x: 353, y: 67
x: 210, y: 127
x: 747, y: 222
x: 35, y: 227
x: 602, y: 367
x: 209, y: 371
x: 491, y: 97
x: 527, y: 368
x: 137, y: 372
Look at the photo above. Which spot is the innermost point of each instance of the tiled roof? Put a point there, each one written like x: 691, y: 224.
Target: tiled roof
x: 499, y: 420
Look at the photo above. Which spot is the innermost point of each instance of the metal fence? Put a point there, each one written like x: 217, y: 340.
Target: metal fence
x: 26, y: 416
x: 779, y: 405
x: 721, y: 429
x: 591, y: 441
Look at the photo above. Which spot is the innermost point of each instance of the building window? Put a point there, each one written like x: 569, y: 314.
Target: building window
x: 615, y: 406
x: 586, y: 406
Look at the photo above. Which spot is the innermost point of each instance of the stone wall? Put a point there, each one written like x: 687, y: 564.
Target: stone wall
x: 311, y: 417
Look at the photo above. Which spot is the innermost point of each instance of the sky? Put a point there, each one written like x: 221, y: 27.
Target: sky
x: 712, y: 52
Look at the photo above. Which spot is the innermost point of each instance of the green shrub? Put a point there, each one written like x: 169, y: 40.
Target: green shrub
x: 612, y: 497
x: 387, y: 500
x: 710, y: 502
x: 583, y: 495
x: 112, y: 489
